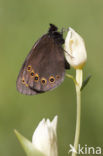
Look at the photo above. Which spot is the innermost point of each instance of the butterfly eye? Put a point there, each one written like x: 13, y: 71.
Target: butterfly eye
x: 51, y: 79
x: 29, y: 68
x: 57, y: 76
x: 43, y: 81
x: 36, y: 78
x: 32, y: 73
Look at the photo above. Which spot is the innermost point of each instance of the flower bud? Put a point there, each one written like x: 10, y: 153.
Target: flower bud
x: 45, y: 138
x: 75, y: 51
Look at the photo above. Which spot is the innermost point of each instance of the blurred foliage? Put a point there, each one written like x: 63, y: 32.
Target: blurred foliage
x: 22, y: 22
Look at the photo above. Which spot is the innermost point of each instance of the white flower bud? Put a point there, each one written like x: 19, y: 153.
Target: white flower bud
x: 75, y: 49
x: 45, y: 138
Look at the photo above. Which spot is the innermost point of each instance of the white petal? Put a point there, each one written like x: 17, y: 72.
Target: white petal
x: 75, y: 49
x: 54, y: 123
x: 45, y: 138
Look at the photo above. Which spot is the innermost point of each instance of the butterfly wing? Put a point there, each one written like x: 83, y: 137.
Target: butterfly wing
x: 43, y: 68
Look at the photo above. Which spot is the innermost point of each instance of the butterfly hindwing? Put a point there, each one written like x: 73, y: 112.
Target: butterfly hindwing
x: 44, y: 67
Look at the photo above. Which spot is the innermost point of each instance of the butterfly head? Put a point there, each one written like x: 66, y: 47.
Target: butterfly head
x: 57, y: 36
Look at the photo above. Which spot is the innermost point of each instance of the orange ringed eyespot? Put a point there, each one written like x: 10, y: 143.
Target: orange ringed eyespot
x: 32, y: 73
x: 28, y: 68
x: 23, y: 81
x: 51, y: 79
x: 57, y: 76
x: 36, y: 78
x: 43, y: 81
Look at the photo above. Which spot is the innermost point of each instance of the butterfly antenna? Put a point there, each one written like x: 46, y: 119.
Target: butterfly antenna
x: 64, y: 30
x: 69, y: 54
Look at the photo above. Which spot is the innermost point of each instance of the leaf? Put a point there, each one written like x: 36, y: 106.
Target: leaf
x: 28, y: 147
x: 85, y: 82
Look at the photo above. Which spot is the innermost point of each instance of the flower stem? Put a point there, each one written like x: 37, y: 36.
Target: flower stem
x: 79, y: 76
x: 71, y: 77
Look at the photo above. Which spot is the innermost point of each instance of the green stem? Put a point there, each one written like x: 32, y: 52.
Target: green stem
x: 77, y: 132
x: 79, y: 76
x: 71, y: 77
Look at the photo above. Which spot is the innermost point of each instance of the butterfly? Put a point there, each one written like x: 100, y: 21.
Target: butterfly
x: 44, y: 67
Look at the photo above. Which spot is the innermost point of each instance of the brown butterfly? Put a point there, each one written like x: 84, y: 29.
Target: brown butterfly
x: 44, y: 67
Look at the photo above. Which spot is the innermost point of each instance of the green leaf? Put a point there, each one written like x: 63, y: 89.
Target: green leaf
x: 85, y: 82
x: 28, y: 147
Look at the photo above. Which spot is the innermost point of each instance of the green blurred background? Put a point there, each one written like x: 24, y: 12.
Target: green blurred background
x: 22, y: 22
